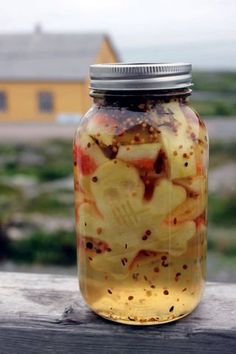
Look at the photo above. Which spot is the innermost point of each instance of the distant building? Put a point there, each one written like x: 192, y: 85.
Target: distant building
x: 44, y: 76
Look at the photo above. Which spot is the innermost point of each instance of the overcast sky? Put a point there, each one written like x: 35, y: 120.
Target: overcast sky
x: 130, y: 22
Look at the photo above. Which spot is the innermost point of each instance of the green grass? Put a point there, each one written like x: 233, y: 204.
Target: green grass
x: 57, y: 248
x: 222, y: 209
x: 56, y: 156
x: 214, y: 81
x: 215, y: 108
x: 222, y: 152
x: 49, y: 203
x: 222, y: 240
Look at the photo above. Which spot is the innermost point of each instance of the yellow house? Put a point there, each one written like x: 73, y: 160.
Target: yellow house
x: 44, y: 76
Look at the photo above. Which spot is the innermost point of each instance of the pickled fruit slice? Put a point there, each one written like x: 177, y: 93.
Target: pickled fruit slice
x: 173, y: 241
x: 118, y: 262
x: 88, y: 156
x: 117, y: 189
x: 102, y: 128
x: 189, y: 210
x: 142, y: 155
x: 89, y: 147
x: 193, y: 185
x: 177, y: 146
x: 90, y: 223
x: 176, y: 243
x: 166, y: 197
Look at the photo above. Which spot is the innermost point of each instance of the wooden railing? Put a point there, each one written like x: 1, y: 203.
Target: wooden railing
x: 46, y: 314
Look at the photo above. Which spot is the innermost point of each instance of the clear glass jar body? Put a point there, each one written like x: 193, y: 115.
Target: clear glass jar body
x: 140, y: 169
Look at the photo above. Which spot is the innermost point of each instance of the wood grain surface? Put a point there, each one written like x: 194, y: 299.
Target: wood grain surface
x: 42, y: 313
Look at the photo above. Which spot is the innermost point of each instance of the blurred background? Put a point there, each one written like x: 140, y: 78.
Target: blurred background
x: 46, y: 48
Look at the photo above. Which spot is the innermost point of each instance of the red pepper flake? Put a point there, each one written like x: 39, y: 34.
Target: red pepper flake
x: 109, y: 291
x: 177, y: 275
x: 152, y: 286
x: 186, y: 164
x: 156, y: 270
x: 89, y: 245
x: 90, y: 258
x: 98, y: 251
x: 94, y: 179
x: 185, y: 266
x: 175, y: 221
x: 126, y: 246
x: 163, y: 258
x: 99, y: 230
x: 171, y: 309
x: 144, y: 238
x: 164, y: 264
x: 145, y: 278
x: 130, y: 298
x: 166, y: 292
x: 148, y: 232
x: 135, y: 276
x: 109, y: 249
x: 184, y: 289
x: 185, y: 156
x: 89, y: 145
x: 124, y: 261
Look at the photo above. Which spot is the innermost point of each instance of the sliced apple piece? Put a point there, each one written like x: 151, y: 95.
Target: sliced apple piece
x: 102, y: 128
x: 177, y: 146
x: 90, y: 223
x: 195, y: 185
x: 117, y: 262
x: 173, y: 239
x: 166, y: 197
x: 117, y: 183
x: 142, y: 155
x: 189, y: 210
x: 88, y: 156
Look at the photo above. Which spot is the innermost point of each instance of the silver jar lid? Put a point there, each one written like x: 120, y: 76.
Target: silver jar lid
x: 140, y: 76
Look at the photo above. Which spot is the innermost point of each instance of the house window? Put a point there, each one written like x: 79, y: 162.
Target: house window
x: 3, y: 101
x: 45, y: 102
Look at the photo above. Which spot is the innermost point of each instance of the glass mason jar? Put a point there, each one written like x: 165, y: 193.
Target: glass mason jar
x: 140, y: 170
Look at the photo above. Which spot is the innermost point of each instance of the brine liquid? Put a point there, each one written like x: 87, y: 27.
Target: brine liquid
x: 140, y: 187
x: 159, y: 289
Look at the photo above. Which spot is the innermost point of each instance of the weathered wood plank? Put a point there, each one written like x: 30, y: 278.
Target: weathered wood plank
x: 46, y: 314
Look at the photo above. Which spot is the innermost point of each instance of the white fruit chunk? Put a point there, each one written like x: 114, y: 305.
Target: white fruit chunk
x: 189, y: 210
x: 102, y: 128
x: 193, y: 184
x: 117, y: 190
x: 166, y: 197
x: 90, y: 148
x: 177, y: 145
x: 141, y: 155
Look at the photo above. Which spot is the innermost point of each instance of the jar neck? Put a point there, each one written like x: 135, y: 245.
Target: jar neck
x: 138, y: 98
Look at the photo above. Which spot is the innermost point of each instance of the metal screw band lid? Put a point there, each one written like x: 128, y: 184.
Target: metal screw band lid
x: 140, y: 76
